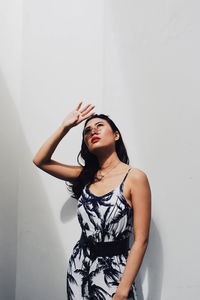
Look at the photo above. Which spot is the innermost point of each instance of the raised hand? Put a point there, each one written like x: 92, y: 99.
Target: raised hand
x: 78, y: 115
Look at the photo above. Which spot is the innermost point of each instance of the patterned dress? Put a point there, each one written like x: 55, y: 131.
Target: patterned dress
x: 102, y: 218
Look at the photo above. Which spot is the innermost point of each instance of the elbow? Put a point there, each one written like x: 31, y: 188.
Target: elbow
x: 35, y: 162
x: 144, y: 244
x: 40, y: 163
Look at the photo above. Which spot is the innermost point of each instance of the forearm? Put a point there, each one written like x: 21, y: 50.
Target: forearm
x: 46, y: 150
x: 132, y: 267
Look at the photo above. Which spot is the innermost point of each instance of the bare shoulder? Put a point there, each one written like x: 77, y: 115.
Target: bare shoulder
x: 139, y: 184
x: 138, y: 175
x: 138, y: 179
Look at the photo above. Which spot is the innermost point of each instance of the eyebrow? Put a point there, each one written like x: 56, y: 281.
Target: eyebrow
x: 94, y: 124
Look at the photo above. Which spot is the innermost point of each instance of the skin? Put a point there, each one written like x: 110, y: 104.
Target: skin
x: 136, y: 192
x: 104, y: 149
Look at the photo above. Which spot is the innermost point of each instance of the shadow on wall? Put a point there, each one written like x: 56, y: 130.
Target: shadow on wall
x: 32, y: 258
x: 151, y: 270
x: 68, y: 211
x: 9, y: 164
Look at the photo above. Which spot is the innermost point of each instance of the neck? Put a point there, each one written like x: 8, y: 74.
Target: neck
x: 108, y: 161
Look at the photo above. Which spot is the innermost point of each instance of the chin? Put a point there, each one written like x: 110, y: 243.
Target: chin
x: 98, y: 149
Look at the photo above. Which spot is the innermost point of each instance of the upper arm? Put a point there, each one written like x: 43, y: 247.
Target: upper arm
x: 141, y: 199
x: 61, y: 171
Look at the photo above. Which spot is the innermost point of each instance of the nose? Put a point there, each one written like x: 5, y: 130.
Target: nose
x: 96, y: 130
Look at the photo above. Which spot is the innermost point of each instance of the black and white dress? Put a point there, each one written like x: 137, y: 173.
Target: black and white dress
x: 102, y: 218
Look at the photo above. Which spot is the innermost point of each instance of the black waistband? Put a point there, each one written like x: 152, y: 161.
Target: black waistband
x: 116, y: 247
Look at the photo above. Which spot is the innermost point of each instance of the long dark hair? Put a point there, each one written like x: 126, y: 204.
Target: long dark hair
x: 91, y: 165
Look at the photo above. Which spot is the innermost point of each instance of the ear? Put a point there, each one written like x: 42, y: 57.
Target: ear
x: 117, y: 135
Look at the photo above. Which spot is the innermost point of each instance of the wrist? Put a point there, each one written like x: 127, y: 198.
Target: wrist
x: 124, y: 288
x: 65, y: 128
x: 121, y: 293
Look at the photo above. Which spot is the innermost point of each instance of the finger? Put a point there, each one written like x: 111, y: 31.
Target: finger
x: 91, y: 114
x: 85, y: 108
x: 88, y: 110
x: 79, y: 105
x: 86, y: 117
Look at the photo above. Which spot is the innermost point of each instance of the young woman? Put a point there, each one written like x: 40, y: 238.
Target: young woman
x: 113, y: 202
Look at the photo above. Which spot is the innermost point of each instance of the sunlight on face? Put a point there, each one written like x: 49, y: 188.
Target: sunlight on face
x: 101, y: 128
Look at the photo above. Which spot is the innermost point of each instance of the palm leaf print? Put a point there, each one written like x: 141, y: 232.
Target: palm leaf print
x: 70, y: 281
x: 120, y: 215
x: 108, y: 265
x: 97, y: 292
x: 101, y: 218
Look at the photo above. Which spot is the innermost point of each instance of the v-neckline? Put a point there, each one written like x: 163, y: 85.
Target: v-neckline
x: 106, y: 194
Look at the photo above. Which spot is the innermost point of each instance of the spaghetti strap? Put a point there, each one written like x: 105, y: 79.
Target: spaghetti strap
x: 125, y: 176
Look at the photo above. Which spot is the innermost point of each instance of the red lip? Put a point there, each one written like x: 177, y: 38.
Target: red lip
x: 94, y: 139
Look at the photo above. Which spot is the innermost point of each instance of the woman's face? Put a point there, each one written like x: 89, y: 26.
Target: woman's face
x: 101, y: 130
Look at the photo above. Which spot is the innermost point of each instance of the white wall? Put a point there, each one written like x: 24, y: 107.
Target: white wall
x: 10, y: 76
x: 151, y: 77
x: 136, y: 61
x: 61, y: 65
